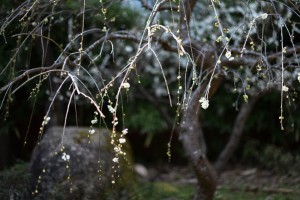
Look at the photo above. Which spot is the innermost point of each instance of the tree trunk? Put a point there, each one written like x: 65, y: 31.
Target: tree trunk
x: 191, y: 134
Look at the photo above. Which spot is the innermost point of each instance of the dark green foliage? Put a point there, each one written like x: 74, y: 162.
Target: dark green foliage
x: 218, y: 121
x: 263, y: 133
x: 262, y: 127
x: 145, y: 118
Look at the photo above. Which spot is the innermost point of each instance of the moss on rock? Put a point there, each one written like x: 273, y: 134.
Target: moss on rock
x: 71, y: 163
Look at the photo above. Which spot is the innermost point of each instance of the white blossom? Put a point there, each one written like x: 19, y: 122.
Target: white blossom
x: 92, y: 131
x: 285, y: 88
x: 46, y: 120
x: 116, y: 160
x: 122, y: 140
x: 125, y: 131
x: 65, y: 157
x: 126, y: 85
x: 228, y: 54
x: 204, y: 103
x: 94, y: 121
x: 111, y: 109
x: 264, y: 16
x: 117, y: 149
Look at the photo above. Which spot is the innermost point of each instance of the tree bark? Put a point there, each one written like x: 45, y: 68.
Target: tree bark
x: 191, y: 133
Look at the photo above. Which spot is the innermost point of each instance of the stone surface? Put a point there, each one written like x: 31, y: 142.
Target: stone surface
x: 53, y: 176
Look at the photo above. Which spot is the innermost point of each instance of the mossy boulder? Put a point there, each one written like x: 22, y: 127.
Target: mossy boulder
x: 71, y: 163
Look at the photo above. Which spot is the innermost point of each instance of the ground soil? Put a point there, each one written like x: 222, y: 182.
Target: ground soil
x: 249, y: 179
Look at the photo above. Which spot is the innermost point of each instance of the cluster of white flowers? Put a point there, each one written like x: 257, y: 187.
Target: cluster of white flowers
x: 46, y: 120
x: 285, y: 88
x: 228, y: 55
x: 204, y: 102
x: 122, y: 140
x: 125, y: 85
x: 92, y: 131
x: 93, y: 121
x: 264, y: 16
x: 115, y: 159
x: 111, y: 109
x: 65, y: 157
x: 118, y: 148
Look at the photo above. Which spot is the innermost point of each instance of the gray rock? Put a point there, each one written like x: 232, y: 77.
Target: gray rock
x: 88, y: 172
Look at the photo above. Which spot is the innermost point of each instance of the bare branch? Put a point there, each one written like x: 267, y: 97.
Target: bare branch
x: 29, y: 72
x: 187, y: 7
